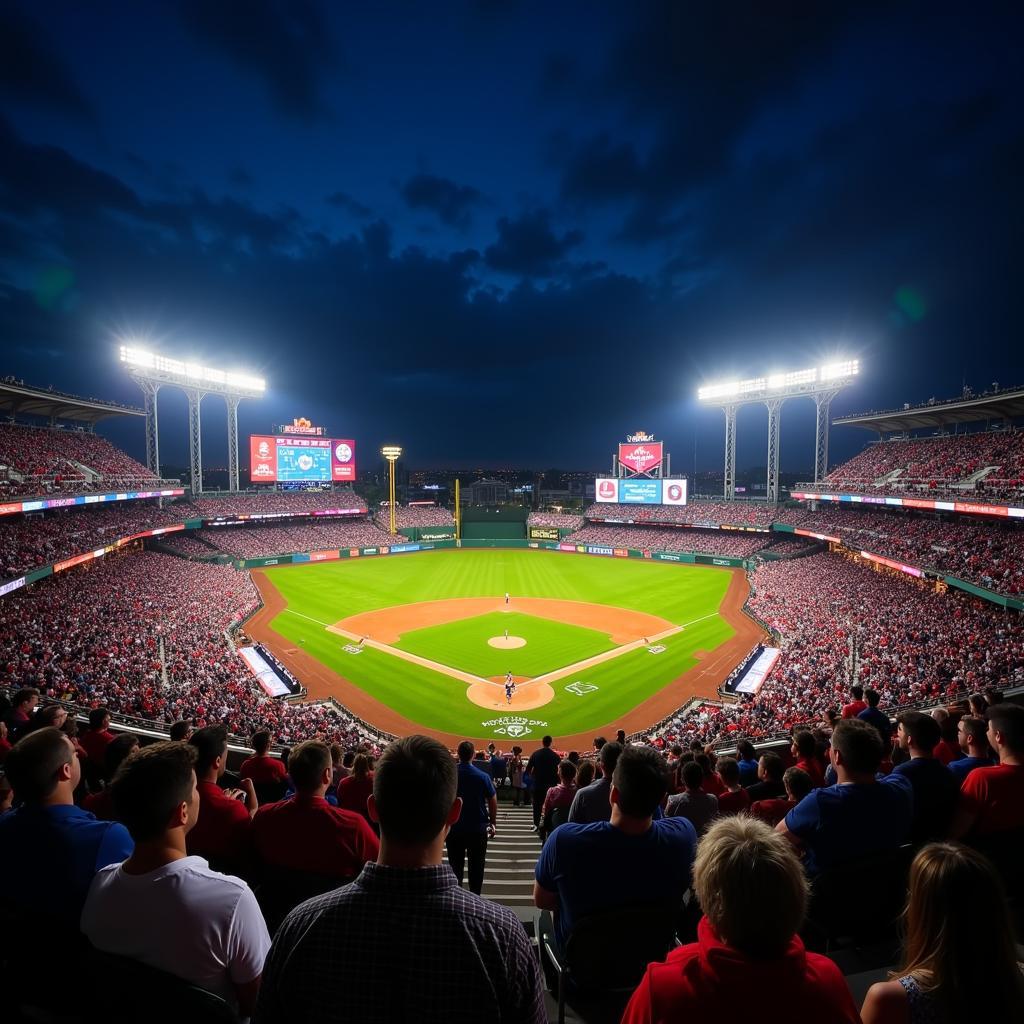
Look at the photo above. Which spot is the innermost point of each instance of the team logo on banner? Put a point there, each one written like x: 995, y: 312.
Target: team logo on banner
x: 641, y: 458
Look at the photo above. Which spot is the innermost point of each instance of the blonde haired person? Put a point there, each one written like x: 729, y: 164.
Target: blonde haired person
x: 960, y: 961
x: 747, y: 957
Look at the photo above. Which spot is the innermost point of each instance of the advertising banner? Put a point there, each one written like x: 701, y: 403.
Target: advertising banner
x: 592, y: 550
x: 640, y: 492
x: 566, y: 547
x: 621, y: 553
x: 673, y: 492
x: 324, y: 556
x: 544, y: 533
x: 606, y: 490
x: 262, y: 459
x: 641, y: 458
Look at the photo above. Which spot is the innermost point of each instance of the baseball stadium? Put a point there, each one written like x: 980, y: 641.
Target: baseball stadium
x: 511, y: 513
x: 287, y: 615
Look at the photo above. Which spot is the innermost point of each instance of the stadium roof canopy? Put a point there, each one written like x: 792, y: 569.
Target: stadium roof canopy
x: 20, y: 399
x: 1001, y: 405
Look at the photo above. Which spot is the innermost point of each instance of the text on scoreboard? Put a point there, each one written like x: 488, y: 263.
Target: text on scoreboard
x: 288, y: 459
x: 637, y: 491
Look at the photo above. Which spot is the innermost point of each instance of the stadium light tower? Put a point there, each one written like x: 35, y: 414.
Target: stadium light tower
x: 821, y: 383
x: 152, y: 372
x: 391, y: 452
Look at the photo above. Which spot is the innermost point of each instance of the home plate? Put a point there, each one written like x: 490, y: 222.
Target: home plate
x: 506, y: 643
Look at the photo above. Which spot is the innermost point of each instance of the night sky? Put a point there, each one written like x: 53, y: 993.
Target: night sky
x: 510, y: 233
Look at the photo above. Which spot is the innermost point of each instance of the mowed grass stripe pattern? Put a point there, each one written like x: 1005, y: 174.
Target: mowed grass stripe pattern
x: 463, y: 644
x: 329, y: 591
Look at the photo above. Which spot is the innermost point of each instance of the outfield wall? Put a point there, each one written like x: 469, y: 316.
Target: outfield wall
x: 680, y: 557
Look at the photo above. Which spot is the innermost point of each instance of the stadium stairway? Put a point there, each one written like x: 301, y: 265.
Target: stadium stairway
x: 511, y: 856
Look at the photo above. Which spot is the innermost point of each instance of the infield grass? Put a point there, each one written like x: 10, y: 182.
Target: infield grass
x: 463, y: 644
x: 321, y: 594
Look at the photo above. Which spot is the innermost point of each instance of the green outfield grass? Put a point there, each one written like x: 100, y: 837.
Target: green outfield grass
x: 319, y: 595
x: 463, y: 644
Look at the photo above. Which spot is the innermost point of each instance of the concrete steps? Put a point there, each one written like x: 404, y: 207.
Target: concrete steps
x: 511, y: 857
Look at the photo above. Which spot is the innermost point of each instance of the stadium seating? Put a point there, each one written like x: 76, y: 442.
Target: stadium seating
x: 49, y: 460
x: 418, y: 515
x: 562, y: 520
x: 94, y: 638
x: 744, y: 513
x: 913, y: 646
x: 266, y: 541
x: 712, y: 542
x: 942, y: 463
x: 989, y: 553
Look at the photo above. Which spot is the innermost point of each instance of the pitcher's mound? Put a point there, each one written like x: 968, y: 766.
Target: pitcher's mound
x: 491, y: 695
x: 506, y: 643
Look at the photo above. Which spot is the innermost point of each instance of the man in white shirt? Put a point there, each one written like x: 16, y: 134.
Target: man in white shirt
x: 165, y: 908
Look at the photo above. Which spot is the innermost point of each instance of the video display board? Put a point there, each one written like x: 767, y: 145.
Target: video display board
x: 639, y: 491
x: 641, y: 458
x: 291, y: 459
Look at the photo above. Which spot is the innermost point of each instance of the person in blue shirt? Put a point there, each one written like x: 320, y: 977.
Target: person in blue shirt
x: 972, y: 736
x: 467, y: 838
x: 746, y: 758
x: 630, y: 861
x: 935, y: 788
x: 859, y: 816
x: 49, y: 837
x: 879, y: 719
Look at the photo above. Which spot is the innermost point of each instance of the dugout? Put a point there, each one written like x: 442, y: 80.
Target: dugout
x: 494, y: 522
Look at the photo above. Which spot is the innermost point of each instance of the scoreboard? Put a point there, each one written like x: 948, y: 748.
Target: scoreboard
x: 295, y: 459
x: 640, y: 491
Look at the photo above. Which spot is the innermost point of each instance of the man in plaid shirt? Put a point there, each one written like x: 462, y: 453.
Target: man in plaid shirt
x: 404, y: 941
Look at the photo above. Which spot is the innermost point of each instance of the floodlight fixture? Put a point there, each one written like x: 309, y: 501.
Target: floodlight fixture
x: 754, y: 387
x: 391, y: 452
x: 192, y: 374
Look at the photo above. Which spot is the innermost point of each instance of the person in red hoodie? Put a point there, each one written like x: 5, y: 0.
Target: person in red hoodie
x: 754, y: 895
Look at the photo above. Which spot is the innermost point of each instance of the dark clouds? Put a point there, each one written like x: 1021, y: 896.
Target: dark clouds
x: 668, y: 193
x: 529, y: 245
x: 31, y: 71
x: 453, y: 203
x: 287, y: 44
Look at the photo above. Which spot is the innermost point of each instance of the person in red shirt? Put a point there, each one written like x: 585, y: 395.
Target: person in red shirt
x: 304, y: 832
x: 858, y: 704
x: 805, y: 750
x: 948, y: 747
x: 713, y: 783
x: 771, y: 812
x: 118, y: 750
x: 753, y: 891
x: 99, y: 736
x: 992, y: 799
x: 735, y: 798
x: 261, y: 767
x: 223, y: 831
x: 354, y: 791
x: 5, y: 744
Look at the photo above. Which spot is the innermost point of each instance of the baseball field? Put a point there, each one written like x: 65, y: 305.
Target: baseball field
x: 429, y: 641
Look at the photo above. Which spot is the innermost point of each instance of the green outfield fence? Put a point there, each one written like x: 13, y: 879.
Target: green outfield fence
x: 680, y: 557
